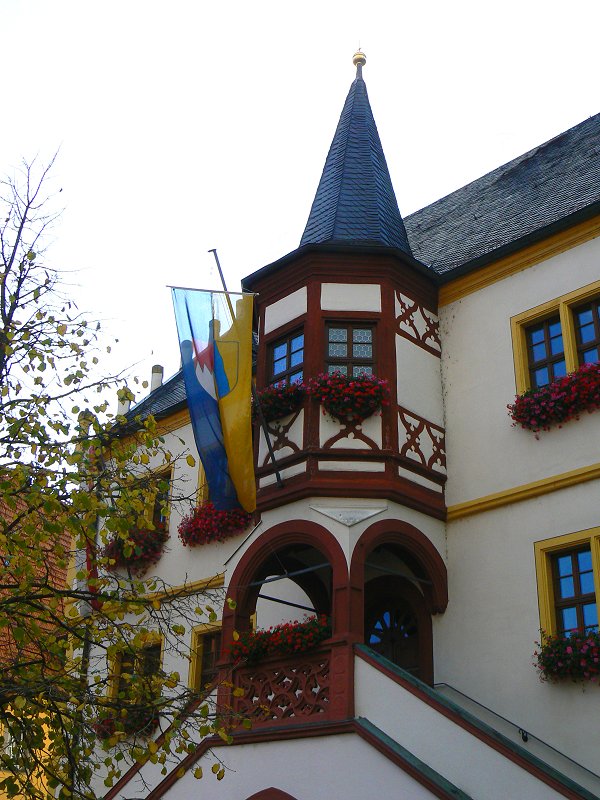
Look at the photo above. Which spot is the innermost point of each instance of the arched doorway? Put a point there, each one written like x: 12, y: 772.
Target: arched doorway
x: 398, y: 581
x: 398, y: 625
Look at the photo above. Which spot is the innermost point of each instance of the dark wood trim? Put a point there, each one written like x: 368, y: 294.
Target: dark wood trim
x: 346, y: 266
x: 352, y: 484
x: 423, y: 345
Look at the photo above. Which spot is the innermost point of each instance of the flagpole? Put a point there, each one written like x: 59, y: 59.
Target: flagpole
x: 257, y: 405
x: 211, y: 291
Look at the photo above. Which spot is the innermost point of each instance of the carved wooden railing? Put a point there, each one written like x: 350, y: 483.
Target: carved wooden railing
x: 281, y: 688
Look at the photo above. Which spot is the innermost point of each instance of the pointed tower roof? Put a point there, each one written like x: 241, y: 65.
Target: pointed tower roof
x: 355, y: 201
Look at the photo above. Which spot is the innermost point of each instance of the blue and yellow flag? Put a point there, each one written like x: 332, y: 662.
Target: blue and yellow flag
x: 215, y: 337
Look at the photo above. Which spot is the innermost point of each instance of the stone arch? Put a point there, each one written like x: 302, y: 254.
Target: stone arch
x: 428, y: 570
x: 277, y: 539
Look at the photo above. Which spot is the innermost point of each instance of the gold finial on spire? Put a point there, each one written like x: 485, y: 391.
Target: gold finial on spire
x: 359, y: 60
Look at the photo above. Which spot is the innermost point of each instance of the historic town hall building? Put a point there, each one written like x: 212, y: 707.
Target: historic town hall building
x: 439, y: 537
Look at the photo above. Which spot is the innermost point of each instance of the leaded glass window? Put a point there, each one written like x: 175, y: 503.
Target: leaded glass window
x: 350, y: 348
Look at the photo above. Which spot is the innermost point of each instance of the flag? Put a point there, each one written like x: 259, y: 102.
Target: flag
x: 215, y: 338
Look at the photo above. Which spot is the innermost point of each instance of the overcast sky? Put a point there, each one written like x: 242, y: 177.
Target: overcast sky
x: 187, y: 125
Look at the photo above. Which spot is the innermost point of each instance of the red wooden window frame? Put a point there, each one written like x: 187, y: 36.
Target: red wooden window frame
x: 349, y: 361
x: 292, y: 372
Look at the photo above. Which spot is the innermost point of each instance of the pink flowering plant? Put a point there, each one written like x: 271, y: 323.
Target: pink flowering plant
x: 575, y: 657
x: 142, y: 548
x: 207, y: 524
x: 563, y: 399
x: 349, y: 398
x: 284, y: 639
x: 279, y: 400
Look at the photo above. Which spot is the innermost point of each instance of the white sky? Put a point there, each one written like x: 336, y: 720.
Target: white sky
x: 186, y: 125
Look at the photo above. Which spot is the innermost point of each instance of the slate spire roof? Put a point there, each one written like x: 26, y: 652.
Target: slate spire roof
x: 355, y: 201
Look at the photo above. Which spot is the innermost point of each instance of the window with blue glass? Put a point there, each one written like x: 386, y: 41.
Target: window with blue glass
x: 574, y: 592
x: 546, y: 352
x: 350, y: 349
x: 587, y: 327
x: 286, y: 359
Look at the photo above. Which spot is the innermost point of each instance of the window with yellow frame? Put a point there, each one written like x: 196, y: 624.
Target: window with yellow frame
x: 557, y: 337
x: 568, y: 577
x: 136, y: 667
x: 204, y: 656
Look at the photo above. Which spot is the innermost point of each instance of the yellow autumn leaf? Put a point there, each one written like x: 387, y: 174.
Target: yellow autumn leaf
x: 235, y: 635
x: 191, y: 461
x: 198, y: 773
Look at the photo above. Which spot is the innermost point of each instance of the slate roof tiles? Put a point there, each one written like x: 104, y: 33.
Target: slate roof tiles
x: 532, y: 192
x: 355, y: 200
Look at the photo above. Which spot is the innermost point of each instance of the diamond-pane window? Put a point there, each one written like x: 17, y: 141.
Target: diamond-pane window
x: 350, y: 349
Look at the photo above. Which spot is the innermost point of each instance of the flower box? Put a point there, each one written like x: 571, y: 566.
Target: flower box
x: 575, y: 658
x: 349, y: 399
x: 207, y: 524
x: 280, y: 400
x: 286, y: 638
x: 139, y: 721
x: 142, y: 548
x: 563, y: 399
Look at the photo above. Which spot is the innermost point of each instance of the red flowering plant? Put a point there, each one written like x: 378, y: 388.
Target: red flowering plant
x: 575, y: 657
x: 140, y: 721
x: 349, y: 398
x: 563, y: 399
x: 207, y: 524
x: 142, y: 548
x: 283, y: 639
x: 279, y: 400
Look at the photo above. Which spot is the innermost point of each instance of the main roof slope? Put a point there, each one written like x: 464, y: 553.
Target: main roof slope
x: 545, y: 186
x: 355, y: 201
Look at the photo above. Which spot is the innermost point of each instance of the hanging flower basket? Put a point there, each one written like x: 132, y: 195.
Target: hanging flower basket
x: 563, y: 399
x: 206, y: 524
x: 142, y: 548
x: 140, y: 721
x: 347, y: 398
x: 289, y: 637
x: 279, y: 401
x: 575, y: 658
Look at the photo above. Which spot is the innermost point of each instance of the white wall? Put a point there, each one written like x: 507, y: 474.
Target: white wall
x: 335, y: 767
x: 484, y: 642
x: 485, y: 453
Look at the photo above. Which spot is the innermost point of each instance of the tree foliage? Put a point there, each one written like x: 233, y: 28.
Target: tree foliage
x: 71, y: 477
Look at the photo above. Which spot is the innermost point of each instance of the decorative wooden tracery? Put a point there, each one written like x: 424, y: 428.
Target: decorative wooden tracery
x: 294, y: 687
